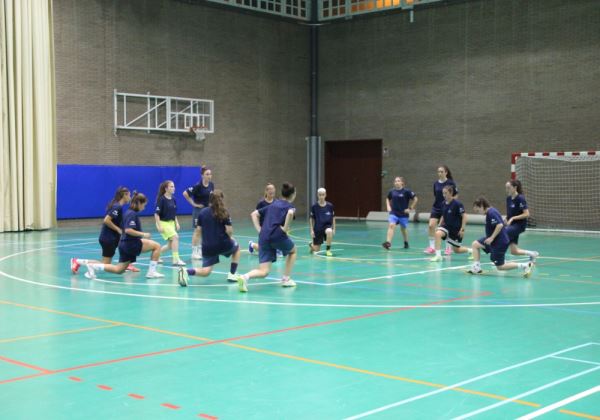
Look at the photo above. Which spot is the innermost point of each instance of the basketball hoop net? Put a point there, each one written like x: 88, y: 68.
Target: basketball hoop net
x: 199, y: 132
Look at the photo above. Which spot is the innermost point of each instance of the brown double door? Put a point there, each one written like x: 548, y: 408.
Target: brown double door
x: 353, y: 176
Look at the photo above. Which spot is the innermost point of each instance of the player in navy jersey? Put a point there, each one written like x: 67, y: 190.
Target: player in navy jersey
x: 165, y: 216
x: 215, y: 223
x: 268, y: 198
x: 517, y: 213
x: 322, y: 223
x: 452, y: 225
x: 495, y: 242
x: 133, y: 242
x: 274, y: 236
x: 400, y: 202
x: 444, y: 179
x: 198, y: 196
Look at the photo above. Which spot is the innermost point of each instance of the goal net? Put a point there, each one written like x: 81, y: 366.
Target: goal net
x: 562, y: 189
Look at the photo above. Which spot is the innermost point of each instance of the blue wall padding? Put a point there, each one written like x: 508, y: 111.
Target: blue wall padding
x: 85, y: 190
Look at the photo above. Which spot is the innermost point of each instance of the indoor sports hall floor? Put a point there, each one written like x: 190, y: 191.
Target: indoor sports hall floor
x: 367, y: 333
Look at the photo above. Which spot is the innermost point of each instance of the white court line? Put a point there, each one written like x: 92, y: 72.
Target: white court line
x: 465, y: 382
x: 576, y: 360
x: 561, y: 403
x: 270, y: 303
x: 525, y: 394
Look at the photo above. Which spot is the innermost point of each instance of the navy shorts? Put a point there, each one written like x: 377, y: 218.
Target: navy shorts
x: 267, y: 251
x: 109, y: 247
x: 513, y: 232
x: 497, y: 252
x: 402, y: 221
x: 435, y: 213
x: 129, y: 251
x: 320, y: 236
x: 453, y: 237
x: 209, y: 260
x: 195, y: 213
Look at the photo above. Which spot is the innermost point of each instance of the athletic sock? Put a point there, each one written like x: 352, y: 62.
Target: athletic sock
x: 98, y: 267
x: 522, y: 265
x: 438, y: 252
x: 152, y: 267
x: 431, y: 242
x: 175, y: 256
x: 82, y: 261
x: 285, y: 278
x: 233, y: 268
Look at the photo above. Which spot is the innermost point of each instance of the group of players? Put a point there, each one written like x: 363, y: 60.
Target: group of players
x: 213, y: 232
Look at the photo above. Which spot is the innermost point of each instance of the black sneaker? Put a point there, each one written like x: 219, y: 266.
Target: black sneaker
x: 386, y: 245
x: 406, y: 245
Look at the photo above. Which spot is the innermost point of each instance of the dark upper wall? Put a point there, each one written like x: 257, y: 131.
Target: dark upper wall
x: 466, y: 84
x: 254, y: 67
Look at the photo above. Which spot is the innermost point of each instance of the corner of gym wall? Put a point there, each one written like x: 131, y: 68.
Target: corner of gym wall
x: 465, y: 85
x: 255, y: 68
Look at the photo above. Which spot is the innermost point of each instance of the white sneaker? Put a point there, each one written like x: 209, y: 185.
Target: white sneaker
x: 90, y: 273
x: 527, y: 270
x: 179, y: 263
x: 154, y: 275
x: 474, y: 270
x: 288, y: 283
x: 160, y: 261
x: 533, y: 257
x: 196, y: 256
x: 232, y: 278
x: 242, y: 283
x: 182, y: 277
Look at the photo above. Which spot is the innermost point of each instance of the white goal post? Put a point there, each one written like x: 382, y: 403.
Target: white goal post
x: 562, y: 189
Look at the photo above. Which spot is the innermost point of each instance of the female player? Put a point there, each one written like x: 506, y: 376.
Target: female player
x: 452, y: 225
x: 273, y: 236
x: 495, y: 242
x: 267, y: 200
x: 322, y: 223
x: 444, y: 178
x: 216, y: 229
x: 517, y: 213
x: 165, y: 217
x: 133, y: 242
x: 400, y: 202
x: 197, y: 196
x: 112, y: 228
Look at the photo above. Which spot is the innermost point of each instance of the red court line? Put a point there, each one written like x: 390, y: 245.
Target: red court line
x: 23, y: 364
x: 171, y: 406
x: 243, y: 337
x: 104, y: 387
x: 206, y: 416
x: 136, y: 396
x: 21, y: 378
x: 75, y: 378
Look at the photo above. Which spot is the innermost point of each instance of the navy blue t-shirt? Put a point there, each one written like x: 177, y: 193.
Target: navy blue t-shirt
x: 515, y: 207
x: 131, y: 220
x: 261, y: 204
x: 214, y: 236
x: 275, y: 215
x: 200, y: 194
x: 492, y: 219
x: 115, y: 212
x: 438, y: 188
x: 453, y: 215
x: 166, y: 208
x: 399, y: 200
x: 323, y: 216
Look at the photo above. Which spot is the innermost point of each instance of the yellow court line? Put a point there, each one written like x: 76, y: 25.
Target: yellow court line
x: 32, y: 337
x: 292, y: 357
x: 575, y: 413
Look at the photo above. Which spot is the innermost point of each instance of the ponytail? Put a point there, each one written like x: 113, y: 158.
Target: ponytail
x: 217, y: 205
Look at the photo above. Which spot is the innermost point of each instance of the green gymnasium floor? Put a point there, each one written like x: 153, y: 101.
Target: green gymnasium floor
x: 367, y: 333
